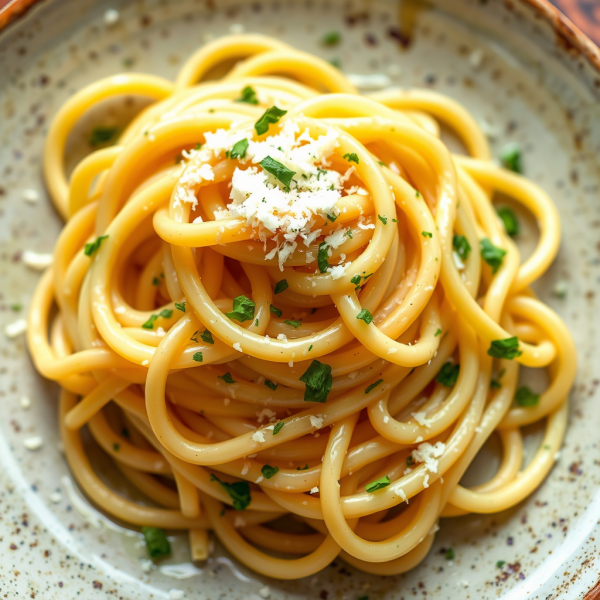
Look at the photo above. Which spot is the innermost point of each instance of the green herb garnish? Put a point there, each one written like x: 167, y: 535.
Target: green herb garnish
x: 268, y: 471
x: 227, y: 378
x: 492, y: 255
x: 318, y: 382
x: 373, y: 386
x: 239, y: 492
x: 243, y: 309
x: 93, y: 246
x: 365, y: 315
x: 156, y: 542
x: 239, y: 149
x: 378, y: 484
x: 270, y: 116
x: 322, y: 257
x: 507, y: 348
x: 448, y: 374
x: 248, y: 96
x: 461, y: 246
x: 525, y: 397
x: 510, y: 221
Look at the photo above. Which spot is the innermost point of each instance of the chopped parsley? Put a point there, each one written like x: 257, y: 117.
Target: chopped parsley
x: 378, y: 484
x: 495, y: 384
x: 525, y: 397
x: 331, y: 217
x: 461, y: 246
x: 197, y: 357
x: 16, y: 306
x: 449, y: 554
x: 322, y: 257
x: 427, y: 234
x: 509, y: 220
x: 102, y: 134
x: 270, y: 116
x: 382, y: 219
x: 492, y: 255
x: 180, y: 306
x: 294, y: 324
x: 93, y: 246
x: 274, y: 310
x: 156, y: 542
x: 239, y: 492
x: 356, y: 281
x: 166, y: 313
x: 507, y: 348
x: 207, y: 337
x: 278, y: 427
x: 281, y: 286
x: 448, y: 374
x: 155, y: 281
x: 438, y: 332
x: 248, y: 96
x: 351, y: 157
x: 510, y: 156
x: 410, y: 461
x: 239, y: 149
x: 268, y: 471
x: 278, y: 170
x: 373, y: 386
x: 227, y: 378
x: 304, y: 468
x: 270, y: 384
x: 332, y: 38
x: 365, y: 315
x: 243, y: 309
x: 500, y: 564
x: 318, y: 382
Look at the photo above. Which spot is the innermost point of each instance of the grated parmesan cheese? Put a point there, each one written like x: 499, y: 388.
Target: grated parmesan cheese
x: 421, y: 419
x: 15, y: 329
x: 258, y: 436
x: 315, y: 490
x: 316, y: 421
x: 429, y: 455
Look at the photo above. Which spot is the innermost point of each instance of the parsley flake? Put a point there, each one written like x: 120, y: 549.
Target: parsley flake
x: 461, y: 246
x: 93, y: 246
x: 270, y: 384
x: 365, y: 315
x: 322, y: 257
x: 156, y: 542
x: 102, y: 135
x: 239, y: 492
x: 294, y: 324
x: 427, y: 234
x: 448, y: 374
x: 281, y: 286
x: 278, y: 170
x: 382, y: 219
x: 373, y: 386
x: 278, y: 427
x: 318, y: 382
x: 438, y: 332
x: 207, y: 337
x: 510, y: 156
x: 492, y: 255
x: 507, y: 348
x: 270, y: 116
x: 227, y: 378
x: 197, y: 357
x: 449, y: 554
x: 180, y: 306
x: 248, y: 96
x: 268, y: 471
x: 525, y: 397
x: 332, y: 38
x: 243, y: 309
x: 378, y: 484
x: 239, y: 149
x: 509, y: 220
x: 351, y: 157
x: 274, y: 310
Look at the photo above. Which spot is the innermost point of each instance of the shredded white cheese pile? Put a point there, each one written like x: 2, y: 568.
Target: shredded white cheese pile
x: 284, y: 215
x: 428, y: 454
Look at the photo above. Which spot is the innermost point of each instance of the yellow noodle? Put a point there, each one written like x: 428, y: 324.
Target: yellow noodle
x: 189, y: 401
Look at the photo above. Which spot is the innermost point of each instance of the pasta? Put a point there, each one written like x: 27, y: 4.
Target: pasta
x: 291, y: 316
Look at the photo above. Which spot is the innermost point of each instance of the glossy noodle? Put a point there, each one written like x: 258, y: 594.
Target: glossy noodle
x: 277, y: 301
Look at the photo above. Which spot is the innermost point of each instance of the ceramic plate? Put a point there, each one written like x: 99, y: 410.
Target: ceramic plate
x: 527, y: 78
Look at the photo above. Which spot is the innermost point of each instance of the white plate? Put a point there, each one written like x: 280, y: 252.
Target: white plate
x: 532, y: 87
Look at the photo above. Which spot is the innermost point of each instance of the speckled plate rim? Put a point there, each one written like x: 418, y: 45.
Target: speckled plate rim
x: 572, y: 38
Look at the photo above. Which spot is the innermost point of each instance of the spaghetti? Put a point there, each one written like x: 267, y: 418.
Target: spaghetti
x: 300, y: 332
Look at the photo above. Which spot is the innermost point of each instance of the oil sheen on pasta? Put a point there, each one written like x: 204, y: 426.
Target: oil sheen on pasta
x: 332, y: 355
